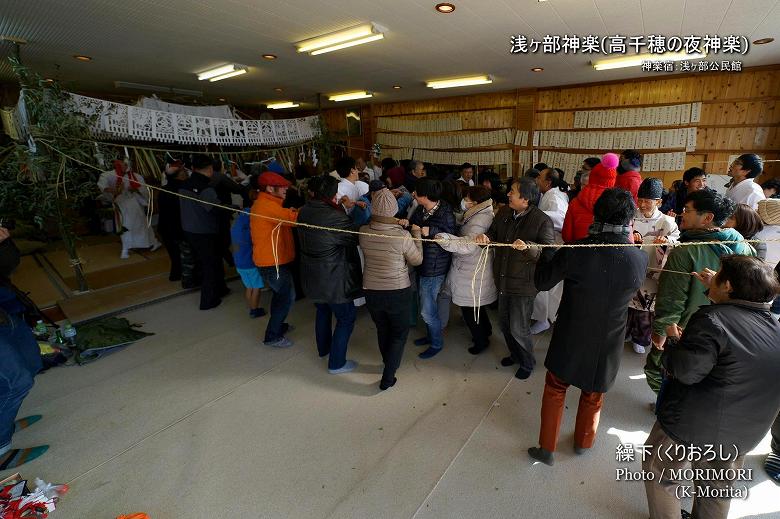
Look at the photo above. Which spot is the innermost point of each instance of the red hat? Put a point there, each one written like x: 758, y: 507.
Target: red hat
x: 604, y: 173
x: 272, y: 179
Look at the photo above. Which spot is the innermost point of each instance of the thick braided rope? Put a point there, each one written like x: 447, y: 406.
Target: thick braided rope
x: 430, y: 240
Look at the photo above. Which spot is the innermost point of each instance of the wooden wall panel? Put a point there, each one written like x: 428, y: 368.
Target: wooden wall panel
x: 740, y: 112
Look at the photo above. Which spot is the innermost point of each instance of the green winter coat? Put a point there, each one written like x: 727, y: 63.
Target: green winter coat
x: 680, y: 296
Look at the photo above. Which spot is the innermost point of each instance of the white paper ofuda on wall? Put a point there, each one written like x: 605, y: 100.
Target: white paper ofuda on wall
x: 691, y: 141
x: 696, y: 112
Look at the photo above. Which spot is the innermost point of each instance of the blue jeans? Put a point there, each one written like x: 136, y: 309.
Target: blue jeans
x: 429, y: 301
x: 334, y: 342
x: 21, y: 360
x: 281, y: 301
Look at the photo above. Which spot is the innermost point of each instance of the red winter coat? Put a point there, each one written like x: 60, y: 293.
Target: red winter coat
x: 630, y: 181
x: 579, y: 216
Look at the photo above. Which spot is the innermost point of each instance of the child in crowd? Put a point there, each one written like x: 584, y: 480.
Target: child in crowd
x: 242, y: 254
x: 651, y: 227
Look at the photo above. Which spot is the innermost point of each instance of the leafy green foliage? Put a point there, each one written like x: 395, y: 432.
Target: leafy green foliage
x: 38, y: 185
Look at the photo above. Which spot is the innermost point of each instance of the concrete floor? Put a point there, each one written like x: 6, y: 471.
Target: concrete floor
x: 203, y: 421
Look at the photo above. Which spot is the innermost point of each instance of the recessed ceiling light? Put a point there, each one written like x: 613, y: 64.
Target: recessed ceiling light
x: 537, y: 69
x: 221, y: 99
x: 49, y: 80
x: 397, y: 87
x: 82, y: 58
x: 445, y: 8
x: 277, y: 89
x: 763, y: 41
x: 269, y: 57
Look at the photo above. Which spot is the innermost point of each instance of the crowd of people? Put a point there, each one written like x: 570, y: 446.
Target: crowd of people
x: 412, y: 239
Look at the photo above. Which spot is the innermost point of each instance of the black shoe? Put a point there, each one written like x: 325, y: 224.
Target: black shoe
x: 580, y: 450
x: 256, y: 312
x: 383, y: 385
x: 522, y: 373
x: 542, y: 455
x: 507, y: 361
x: 209, y: 306
x: 476, y: 350
x: 422, y: 341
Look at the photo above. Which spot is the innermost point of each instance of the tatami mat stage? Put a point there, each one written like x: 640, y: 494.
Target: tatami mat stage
x: 203, y: 421
x: 114, y: 284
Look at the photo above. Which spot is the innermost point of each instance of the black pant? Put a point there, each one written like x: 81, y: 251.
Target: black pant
x: 174, y: 253
x: 480, y: 331
x: 224, y: 237
x: 776, y: 435
x: 208, y: 256
x: 390, y: 311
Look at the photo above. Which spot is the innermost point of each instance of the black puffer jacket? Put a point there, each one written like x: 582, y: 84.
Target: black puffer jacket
x: 513, y: 270
x: 436, y: 261
x: 330, y: 264
x: 722, y: 386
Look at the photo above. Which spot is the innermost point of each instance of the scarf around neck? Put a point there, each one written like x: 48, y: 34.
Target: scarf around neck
x: 608, y: 228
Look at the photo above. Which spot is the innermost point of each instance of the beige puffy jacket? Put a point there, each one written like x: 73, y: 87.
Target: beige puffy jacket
x: 386, y: 259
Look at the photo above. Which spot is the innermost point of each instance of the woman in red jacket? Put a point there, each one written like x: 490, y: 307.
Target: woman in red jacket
x: 579, y: 217
x: 628, y: 173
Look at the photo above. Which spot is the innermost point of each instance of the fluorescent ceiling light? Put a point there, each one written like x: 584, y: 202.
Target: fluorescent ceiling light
x: 637, y: 59
x: 463, y: 81
x: 222, y: 72
x: 350, y: 96
x: 214, y: 72
x: 229, y: 74
x: 285, y: 104
x: 341, y: 39
x: 348, y: 44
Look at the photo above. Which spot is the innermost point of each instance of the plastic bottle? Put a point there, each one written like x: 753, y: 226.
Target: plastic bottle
x: 41, y: 331
x: 69, y: 333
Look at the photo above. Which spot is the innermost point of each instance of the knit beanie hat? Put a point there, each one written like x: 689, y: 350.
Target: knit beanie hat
x: 651, y: 188
x: 383, y: 203
x: 769, y: 211
x: 604, y: 173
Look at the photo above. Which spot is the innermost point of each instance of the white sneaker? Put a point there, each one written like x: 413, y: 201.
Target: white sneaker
x: 540, y: 326
x: 125, y: 254
x: 282, y: 342
x: 348, y: 366
x: 638, y: 348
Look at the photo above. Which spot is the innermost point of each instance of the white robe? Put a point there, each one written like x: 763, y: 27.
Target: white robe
x: 554, y: 203
x: 350, y: 190
x: 746, y: 192
x: 651, y: 228
x: 130, y: 207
